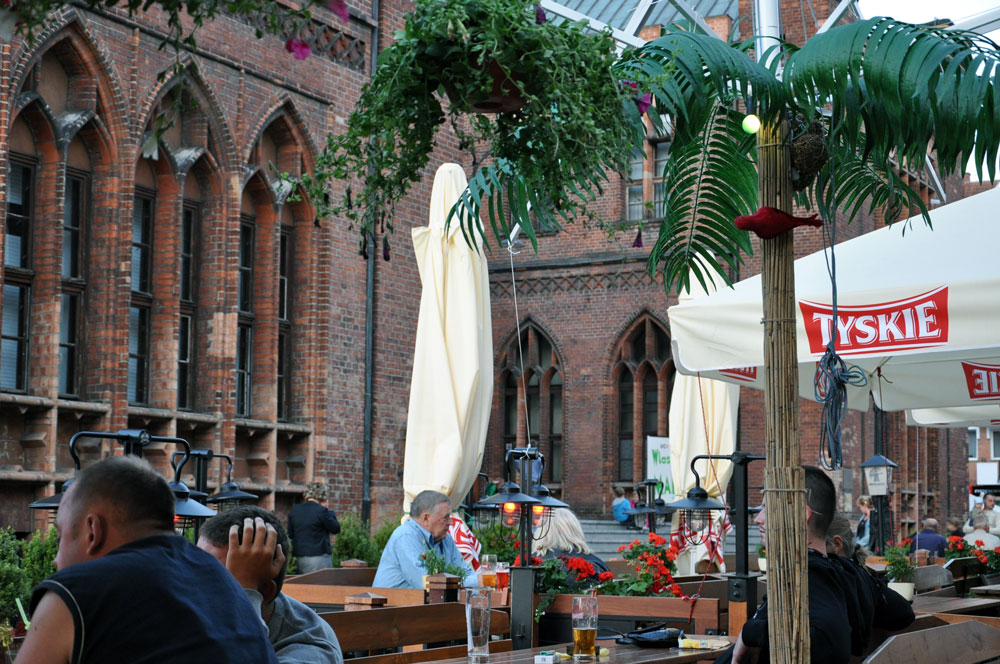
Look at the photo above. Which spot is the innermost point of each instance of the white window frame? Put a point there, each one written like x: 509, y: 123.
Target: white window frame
x: 976, y: 455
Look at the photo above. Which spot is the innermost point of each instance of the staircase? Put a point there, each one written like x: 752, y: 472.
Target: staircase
x: 605, y: 536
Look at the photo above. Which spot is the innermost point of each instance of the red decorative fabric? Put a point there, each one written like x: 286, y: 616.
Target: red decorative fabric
x: 769, y: 222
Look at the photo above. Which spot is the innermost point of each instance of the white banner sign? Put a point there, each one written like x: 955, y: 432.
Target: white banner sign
x: 658, y: 464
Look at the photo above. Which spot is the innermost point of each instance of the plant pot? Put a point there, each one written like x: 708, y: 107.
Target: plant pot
x: 905, y: 589
x: 762, y: 565
x: 504, y: 96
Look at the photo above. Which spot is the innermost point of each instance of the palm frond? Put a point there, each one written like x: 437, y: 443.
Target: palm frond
x: 848, y: 181
x: 700, y: 70
x: 708, y: 183
x: 900, y: 88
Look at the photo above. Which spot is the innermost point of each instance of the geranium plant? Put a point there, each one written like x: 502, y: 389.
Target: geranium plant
x: 957, y: 548
x: 545, y: 161
x: 434, y: 563
x: 564, y: 574
x: 989, y: 558
x: 652, y: 569
x: 899, y: 565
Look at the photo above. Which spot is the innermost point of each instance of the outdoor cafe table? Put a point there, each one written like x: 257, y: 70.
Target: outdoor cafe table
x: 937, y: 604
x: 987, y: 591
x: 618, y: 654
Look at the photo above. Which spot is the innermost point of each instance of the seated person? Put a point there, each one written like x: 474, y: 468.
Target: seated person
x: 845, y: 602
x: 565, y: 538
x: 929, y: 539
x: 986, y: 507
x: 426, y: 529
x: 620, y: 506
x: 298, y: 635
x: 953, y: 528
x: 840, y: 541
x: 980, y: 523
x: 138, y: 592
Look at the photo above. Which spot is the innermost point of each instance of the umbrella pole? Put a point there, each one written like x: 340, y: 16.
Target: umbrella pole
x: 784, y: 479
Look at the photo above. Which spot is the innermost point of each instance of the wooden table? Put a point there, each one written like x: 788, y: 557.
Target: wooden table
x: 619, y: 654
x: 987, y: 591
x: 922, y: 604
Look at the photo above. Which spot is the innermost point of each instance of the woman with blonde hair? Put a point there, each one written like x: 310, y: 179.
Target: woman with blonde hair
x: 565, y: 537
x: 864, y: 531
x: 840, y: 540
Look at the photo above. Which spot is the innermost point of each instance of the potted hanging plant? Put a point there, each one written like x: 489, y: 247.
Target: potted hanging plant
x: 899, y: 568
x: 762, y: 558
x: 546, y: 110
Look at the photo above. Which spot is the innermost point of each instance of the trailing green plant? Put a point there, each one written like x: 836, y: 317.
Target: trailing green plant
x: 38, y: 555
x: 538, y: 166
x: 761, y: 550
x: 13, y: 580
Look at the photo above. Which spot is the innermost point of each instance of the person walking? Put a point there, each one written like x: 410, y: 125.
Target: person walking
x: 864, y: 531
x: 310, y: 525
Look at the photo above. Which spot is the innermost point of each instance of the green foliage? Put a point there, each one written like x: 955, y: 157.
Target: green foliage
x: 579, y: 122
x: 888, y: 91
x: 38, y: 555
x: 356, y: 541
x: 266, y: 13
x: 13, y: 580
x: 498, y: 540
x: 434, y: 563
x: 899, y: 566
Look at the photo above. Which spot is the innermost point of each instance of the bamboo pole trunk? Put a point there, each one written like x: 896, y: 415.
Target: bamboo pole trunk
x: 784, y: 479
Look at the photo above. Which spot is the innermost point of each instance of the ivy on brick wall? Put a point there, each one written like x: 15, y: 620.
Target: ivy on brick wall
x: 183, y: 17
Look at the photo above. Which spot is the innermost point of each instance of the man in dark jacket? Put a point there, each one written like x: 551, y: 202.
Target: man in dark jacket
x: 845, y: 602
x: 310, y: 525
x: 930, y: 539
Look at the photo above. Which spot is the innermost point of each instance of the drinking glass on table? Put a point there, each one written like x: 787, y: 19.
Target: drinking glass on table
x: 503, y: 575
x: 477, y: 623
x: 488, y: 570
x: 584, y: 627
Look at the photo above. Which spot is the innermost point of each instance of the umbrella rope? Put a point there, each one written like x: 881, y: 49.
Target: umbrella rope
x: 520, y: 351
x: 833, y: 375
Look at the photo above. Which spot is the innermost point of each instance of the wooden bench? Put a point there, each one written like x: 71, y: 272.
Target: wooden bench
x: 337, y: 576
x: 333, y: 598
x: 967, y: 642
x: 408, y: 626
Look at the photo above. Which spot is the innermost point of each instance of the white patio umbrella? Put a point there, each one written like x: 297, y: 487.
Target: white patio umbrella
x: 452, y: 384
x: 919, y: 312
x: 957, y: 417
x: 702, y: 420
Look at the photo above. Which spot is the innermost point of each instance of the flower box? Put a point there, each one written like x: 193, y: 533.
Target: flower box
x: 623, y: 613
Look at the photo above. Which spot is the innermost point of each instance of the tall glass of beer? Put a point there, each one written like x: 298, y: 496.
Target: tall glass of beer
x: 488, y: 570
x: 584, y: 628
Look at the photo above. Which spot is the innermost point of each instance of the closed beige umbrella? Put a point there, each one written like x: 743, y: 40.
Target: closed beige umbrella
x: 702, y: 421
x: 452, y: 383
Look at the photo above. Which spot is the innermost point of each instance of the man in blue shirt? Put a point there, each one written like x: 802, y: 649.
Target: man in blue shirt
x: 427, y: 529
x: 930, y: 539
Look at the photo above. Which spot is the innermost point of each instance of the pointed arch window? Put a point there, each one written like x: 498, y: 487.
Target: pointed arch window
x: 533, y: 406
x: 643, y: 371
x: 17, y: 277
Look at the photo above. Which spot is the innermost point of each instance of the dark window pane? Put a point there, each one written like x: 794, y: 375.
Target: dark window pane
x: 138, y: 360
x: 68, y: 343
x: 650, y: 400
x: 187, y: 253
x: 246, y: 267
x: 142, y: 216
x: 14, y: 345
x: 244, y: 368
x: 19, y: 211
x: 72, y: 215
x: 184, y: 354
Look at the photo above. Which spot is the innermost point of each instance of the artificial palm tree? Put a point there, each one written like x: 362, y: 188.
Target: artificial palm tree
x: 856, y: 102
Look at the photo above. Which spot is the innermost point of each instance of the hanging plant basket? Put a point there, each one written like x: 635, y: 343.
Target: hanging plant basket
x: 504, y: 96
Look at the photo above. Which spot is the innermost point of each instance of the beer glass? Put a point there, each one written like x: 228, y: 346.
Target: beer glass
x: 488, y: 570
x: 477, y: 623
x: 584, y: 628
x: 503, y: 575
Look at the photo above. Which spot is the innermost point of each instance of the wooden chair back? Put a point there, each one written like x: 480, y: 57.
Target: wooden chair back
x: 402, y: 626
x: 333, y: 598
x: 968, y: 642
x: 618, y: 566
x: 337, y: 576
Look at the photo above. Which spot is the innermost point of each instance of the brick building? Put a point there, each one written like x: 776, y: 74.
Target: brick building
x: 192, y: 296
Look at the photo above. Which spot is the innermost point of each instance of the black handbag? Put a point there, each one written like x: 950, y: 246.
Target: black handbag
x: 654, y: 636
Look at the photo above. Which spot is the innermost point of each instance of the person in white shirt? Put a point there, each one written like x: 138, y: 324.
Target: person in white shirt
x: 989, y: 541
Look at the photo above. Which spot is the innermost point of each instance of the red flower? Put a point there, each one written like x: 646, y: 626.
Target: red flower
x: 979, y: 543
x: 983, y: 559
x: 339, y: 7
x: 622, y: 548
x: 298, y: 48
x: 954, y: 538
x: 657, y: 540
x: 605, y: 576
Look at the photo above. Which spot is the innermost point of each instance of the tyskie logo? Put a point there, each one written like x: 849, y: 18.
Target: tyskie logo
x: 916, y: 322
x: 748, y: 374
x: 983, y: 380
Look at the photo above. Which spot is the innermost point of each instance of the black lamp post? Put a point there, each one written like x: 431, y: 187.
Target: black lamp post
x: 653, y: 507
x: 878, y: 475
x: 229, y: 494
x: 697, y: 508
